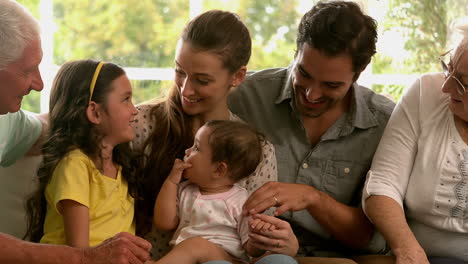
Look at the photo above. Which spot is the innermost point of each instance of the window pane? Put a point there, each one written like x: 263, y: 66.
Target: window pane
x: 272, y: 25
x: 146, y: 91
x: 31, y: 5
x: 136, y: 33
x: 143, y: 33
x: 32, y: 101
x: 412, y: 34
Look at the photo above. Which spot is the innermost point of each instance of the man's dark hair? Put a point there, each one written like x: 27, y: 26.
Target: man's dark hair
x: 339, y: 27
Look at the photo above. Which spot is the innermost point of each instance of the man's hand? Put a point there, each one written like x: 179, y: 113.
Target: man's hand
x: 284, y: 196
x: 280, y: 240
x: 123, y: 248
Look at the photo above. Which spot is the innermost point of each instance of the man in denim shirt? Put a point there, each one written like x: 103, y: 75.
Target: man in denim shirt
x: 325, y: 128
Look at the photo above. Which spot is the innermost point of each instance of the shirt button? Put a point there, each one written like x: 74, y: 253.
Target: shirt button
x: 305, y: 165
x: 346, y: 170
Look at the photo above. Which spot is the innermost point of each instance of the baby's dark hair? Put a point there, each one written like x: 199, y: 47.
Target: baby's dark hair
x: 237, y: 144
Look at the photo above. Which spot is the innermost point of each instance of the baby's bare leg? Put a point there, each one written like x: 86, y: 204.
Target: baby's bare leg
x: 193, y: 251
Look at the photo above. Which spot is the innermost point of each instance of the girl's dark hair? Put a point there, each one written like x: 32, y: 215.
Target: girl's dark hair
x: 221, y: 33
x: 237, y: 144
x: 70, y: 129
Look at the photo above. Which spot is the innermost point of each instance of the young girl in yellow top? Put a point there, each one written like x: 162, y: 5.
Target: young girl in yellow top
x: 86, y: 182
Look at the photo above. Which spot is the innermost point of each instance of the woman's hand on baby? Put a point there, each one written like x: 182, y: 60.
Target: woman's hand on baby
x: 176, y: 173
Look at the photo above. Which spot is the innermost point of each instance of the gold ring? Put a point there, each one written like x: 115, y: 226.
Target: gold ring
x: 276, y: 200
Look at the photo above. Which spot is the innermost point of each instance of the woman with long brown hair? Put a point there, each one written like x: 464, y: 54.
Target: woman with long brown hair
x: 211, y: 59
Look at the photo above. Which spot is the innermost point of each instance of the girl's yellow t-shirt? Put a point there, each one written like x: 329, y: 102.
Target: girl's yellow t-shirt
x: 111, y: 208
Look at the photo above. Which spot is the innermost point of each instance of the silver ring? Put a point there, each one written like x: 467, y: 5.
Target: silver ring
x: 276, y: 200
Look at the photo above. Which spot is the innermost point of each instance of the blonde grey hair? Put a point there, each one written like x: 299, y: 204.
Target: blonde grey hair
x: 461, y: 30
x: 18, y: 28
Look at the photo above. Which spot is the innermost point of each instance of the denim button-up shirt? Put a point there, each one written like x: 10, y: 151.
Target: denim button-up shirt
x: 336, y: 165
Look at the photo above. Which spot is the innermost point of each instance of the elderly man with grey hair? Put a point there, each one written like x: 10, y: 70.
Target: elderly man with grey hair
x: 20, y: 132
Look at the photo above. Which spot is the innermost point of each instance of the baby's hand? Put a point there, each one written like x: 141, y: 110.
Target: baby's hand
x: 259, y: 226
x: 176, y: 173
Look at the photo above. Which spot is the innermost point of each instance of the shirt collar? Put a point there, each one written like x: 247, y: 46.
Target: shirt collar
x: 359, y: 116
x: 287, y: 89
x: 362, y: 116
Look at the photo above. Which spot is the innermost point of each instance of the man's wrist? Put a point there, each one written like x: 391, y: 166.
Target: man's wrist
x: 313, y: 198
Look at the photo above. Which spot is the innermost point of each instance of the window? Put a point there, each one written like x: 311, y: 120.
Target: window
x: 141, y: 36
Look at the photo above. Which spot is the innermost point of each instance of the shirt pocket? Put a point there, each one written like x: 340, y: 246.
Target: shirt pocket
x: 343, y: 180
x: 103, y: 195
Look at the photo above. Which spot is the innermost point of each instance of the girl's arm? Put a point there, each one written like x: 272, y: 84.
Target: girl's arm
x: 165, y: 209
x: 76, y: 223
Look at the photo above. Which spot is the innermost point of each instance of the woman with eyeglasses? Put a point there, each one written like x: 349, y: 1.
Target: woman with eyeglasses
x: 416, y: 192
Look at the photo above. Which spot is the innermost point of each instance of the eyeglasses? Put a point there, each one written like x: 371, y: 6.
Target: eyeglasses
x: 461, y: 89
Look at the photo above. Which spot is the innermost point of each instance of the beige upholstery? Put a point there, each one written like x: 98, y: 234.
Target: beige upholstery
x: 17, y: 182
